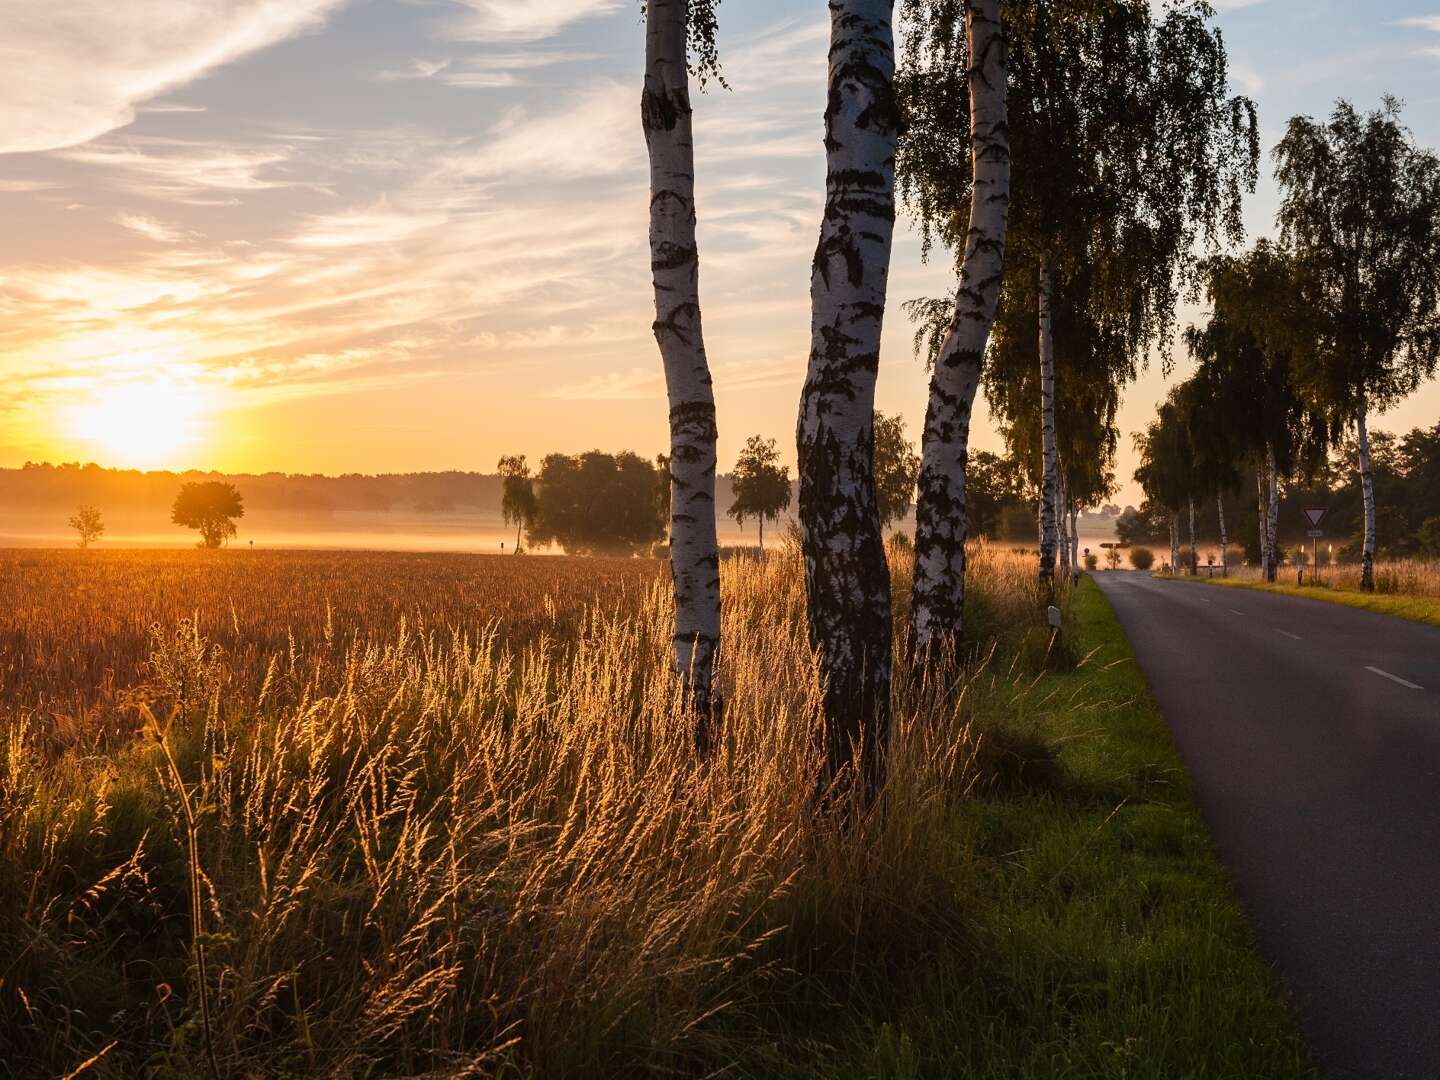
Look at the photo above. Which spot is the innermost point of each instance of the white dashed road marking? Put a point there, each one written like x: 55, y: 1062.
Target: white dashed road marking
x: 1287, y: 633
x: 1234, y: 612
x: 1394, y: 678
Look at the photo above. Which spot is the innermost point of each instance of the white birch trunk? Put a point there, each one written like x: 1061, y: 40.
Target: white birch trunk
x: 1272, y: 512
x: 1074, y: 538
x: 1062, y: 510
x: 1175, y: 542
x: 1260, y: 520
x: 674, y: 263
x: 1194, y: 560
x: 1224, y: 538
x: 938, y: 595
x: 1367, y: 495
x: 1050, y: 475
x: 846, y: 577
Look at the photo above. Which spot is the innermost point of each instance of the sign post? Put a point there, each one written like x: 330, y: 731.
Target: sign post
x: 1315, y: 516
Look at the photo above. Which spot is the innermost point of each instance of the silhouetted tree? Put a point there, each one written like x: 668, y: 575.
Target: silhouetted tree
x: 672, y: 27
x: 1165, y: 470
x: 1242, y: 405
x: 761, y: 485
x: 1361, y: 208
x: 517, y: 494
x: 596, y: 503
x: 897, y: 467
x: 210, y: 506
x: 847, y: 581
x: 992, y: 482
x: 87, y: 522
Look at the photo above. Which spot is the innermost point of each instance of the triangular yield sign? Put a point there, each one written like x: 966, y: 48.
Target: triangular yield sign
x: 1316, y: 514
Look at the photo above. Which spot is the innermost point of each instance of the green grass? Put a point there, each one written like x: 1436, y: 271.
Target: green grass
x: 1109, y: 943
x: 1425, y: 609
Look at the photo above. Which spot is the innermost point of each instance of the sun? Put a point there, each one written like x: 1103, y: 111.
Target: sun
x: 141, y: 424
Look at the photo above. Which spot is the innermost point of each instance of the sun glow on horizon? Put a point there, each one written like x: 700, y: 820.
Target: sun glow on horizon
x: 141, y: 424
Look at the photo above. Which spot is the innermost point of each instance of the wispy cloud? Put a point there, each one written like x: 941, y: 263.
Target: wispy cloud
x: 648, y: 383
x: 185, y: 170
x: 152, y: 228
x: 595, y: 133
x: 524, y: 20
x: 1246, y: 78
x: 1422, y: 22
x: 72, y: 71
x: 416, y: 69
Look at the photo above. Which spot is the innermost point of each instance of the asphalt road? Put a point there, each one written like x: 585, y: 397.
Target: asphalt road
x: 1312, y: 734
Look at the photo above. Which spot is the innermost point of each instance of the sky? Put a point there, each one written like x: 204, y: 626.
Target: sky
x: 394, y: 235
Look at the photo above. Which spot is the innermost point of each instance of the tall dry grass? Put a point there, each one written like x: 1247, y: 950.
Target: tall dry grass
x: 1399, y: 577
x: 429, y: 848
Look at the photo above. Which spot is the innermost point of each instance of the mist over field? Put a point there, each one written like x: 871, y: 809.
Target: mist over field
x: 440, y: 511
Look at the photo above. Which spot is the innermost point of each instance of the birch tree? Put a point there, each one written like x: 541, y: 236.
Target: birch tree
x: 671, y: 26
x: 1361, y: 208
x: 938, y: 597
x: 1092, y: 360
x: 846, y: 577
x: 1165, y: 471
x: 1216, y: 459
x: 1243, y: 405
x: 517, y: 495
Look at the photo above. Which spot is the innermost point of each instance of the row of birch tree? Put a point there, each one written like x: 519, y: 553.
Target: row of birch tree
x: 1073, y: 159
x: 1308, y: 336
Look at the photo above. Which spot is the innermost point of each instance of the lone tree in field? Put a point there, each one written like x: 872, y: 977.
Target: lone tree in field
x: 517, y: 494
x: 897, y: 467
x: 87, y: 522
x: 597, y: 504
x: 210, y: 506
x: 673, y: 28
x: 760, y: 483
x: 1361, y: 209
x: 950, y: 61
x: 1126, y: 153
x: 847, y: 581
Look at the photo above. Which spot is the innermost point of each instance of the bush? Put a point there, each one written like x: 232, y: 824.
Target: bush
x: 1142, y: 558
x: 1092, y: 561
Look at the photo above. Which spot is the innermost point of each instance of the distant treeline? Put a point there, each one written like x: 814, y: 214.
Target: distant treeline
x: 45, y: 486
x: 1406, y: 470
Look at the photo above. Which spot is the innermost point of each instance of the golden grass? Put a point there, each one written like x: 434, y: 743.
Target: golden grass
x: 1393, y: 577
x: 447, y: 814
x: 1424, y: 609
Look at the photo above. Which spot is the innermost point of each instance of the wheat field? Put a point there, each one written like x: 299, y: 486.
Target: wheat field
x: 340, y: 814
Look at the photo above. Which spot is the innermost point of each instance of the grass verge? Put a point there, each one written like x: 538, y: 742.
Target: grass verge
x: 1109, y: 942
x: 1423, y: 609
